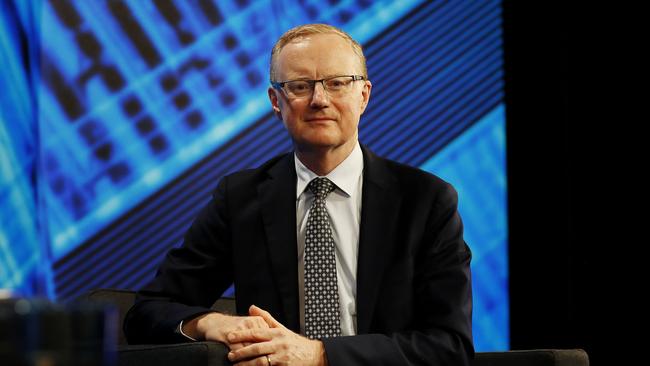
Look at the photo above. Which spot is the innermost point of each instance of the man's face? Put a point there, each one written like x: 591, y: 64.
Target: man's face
x: 320, y: 120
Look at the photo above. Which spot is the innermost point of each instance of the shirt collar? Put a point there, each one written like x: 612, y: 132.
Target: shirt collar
x: 345, y: 176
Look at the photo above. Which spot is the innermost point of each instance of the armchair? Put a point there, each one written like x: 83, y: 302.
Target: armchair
x: 214, y: 354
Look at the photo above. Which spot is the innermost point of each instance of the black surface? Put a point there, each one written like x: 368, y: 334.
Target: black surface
x: 557, y: 224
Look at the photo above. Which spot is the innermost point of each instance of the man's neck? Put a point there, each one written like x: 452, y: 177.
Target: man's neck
x: 323, y: 161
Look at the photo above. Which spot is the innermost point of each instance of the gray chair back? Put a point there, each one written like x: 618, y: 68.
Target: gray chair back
x: 535, y: 357
x: 124, y: 299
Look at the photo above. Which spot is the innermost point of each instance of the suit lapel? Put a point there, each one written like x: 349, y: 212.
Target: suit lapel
x: 278, y: 207
x: 380, y: 205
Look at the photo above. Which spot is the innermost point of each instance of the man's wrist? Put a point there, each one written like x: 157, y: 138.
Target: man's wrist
x: 321, y: 355
x: 195, y: 328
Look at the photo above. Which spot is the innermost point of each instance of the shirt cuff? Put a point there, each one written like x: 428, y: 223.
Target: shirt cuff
x: 179, y: 330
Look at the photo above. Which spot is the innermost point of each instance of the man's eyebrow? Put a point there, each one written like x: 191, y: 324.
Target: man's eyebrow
x: 324, y: 77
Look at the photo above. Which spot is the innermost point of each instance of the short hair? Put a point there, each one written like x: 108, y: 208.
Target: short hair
x: 309, y: 29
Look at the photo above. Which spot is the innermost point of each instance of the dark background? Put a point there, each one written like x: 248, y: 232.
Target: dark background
x: 561, y: 215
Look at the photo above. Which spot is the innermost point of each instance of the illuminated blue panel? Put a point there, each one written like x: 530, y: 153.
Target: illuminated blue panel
x: 23, y: 264
x: 475, y: 164
x: 147, y: 89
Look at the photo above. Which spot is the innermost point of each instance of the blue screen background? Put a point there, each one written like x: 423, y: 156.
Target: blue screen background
x: 119, y: 117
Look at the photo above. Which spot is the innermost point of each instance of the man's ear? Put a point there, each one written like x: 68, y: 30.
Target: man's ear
x: 367, y: 88
x: 275, y: 104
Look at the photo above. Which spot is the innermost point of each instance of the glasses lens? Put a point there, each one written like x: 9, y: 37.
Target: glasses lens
x: 303, y: 88
x: 298, y: 88
x: 338, y: 84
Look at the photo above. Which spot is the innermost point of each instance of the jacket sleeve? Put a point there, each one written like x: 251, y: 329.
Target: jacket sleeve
x: 196, y: 273
x: 440, y: 333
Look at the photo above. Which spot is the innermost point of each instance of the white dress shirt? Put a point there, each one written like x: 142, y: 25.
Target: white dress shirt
x: 344, y: 208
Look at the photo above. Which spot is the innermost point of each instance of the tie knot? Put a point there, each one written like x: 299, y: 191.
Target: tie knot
x: 321, y: 187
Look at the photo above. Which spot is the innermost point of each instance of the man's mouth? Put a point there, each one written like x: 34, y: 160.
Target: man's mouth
x: 319, y: 119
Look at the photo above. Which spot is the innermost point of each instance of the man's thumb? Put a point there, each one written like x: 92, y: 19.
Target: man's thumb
x: 255, y: 311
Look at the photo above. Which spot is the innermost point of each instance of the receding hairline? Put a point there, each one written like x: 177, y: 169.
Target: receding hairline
x: 304, y: 31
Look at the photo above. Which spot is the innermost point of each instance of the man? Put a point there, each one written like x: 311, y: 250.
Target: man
x: 370, y: 264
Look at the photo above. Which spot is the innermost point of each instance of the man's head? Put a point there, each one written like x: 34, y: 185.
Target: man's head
x: 327, y: 116
x: 310, y: 30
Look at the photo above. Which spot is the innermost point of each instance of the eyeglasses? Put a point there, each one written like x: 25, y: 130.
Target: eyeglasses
x: 335, y: 86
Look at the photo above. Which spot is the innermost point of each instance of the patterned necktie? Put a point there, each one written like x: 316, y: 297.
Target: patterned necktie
x: 322, y: 314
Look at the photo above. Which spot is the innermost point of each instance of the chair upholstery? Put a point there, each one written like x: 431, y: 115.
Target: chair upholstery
x: 540, y: 357
x: 214, y: 354
x: 185, y: 354
x: 124, y: 299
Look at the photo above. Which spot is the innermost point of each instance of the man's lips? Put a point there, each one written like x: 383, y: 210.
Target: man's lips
x: 319, y: 119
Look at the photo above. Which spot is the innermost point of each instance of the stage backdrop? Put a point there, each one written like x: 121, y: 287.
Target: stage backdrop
x: 119, y: 117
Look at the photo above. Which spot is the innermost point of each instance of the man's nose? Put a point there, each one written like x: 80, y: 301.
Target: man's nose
x: 319, y: 97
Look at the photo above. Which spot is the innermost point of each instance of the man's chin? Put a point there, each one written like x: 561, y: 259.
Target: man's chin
x: 319, y: 142
x: 322, y: 143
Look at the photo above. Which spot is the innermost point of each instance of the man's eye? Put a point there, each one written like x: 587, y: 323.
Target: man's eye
x: 336, y: 83
x: 299, y: 86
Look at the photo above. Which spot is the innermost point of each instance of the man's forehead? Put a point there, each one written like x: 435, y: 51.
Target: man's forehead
x: 329, y: 40
x: 329, y: 53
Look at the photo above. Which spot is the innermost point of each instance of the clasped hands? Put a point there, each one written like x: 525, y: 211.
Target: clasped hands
x: 257, y: 339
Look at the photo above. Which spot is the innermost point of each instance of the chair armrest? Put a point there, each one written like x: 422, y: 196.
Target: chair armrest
x: 538, y: 357
x: 180, y: 354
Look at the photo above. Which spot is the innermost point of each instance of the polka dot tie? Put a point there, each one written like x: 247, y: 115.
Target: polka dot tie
x: 322, y: 314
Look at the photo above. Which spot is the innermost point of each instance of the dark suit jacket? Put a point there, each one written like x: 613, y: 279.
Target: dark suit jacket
x: 413, y: 279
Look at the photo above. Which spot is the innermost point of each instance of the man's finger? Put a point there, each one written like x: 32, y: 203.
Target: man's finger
x: 261, y: 360
x: 250, y: 335
x: 252, y: 351
x: 250, y: 322
x: 236, y: 346
x: 268, y: 318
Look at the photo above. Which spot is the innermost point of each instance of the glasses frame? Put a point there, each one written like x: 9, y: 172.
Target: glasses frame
x: 279, y: 85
